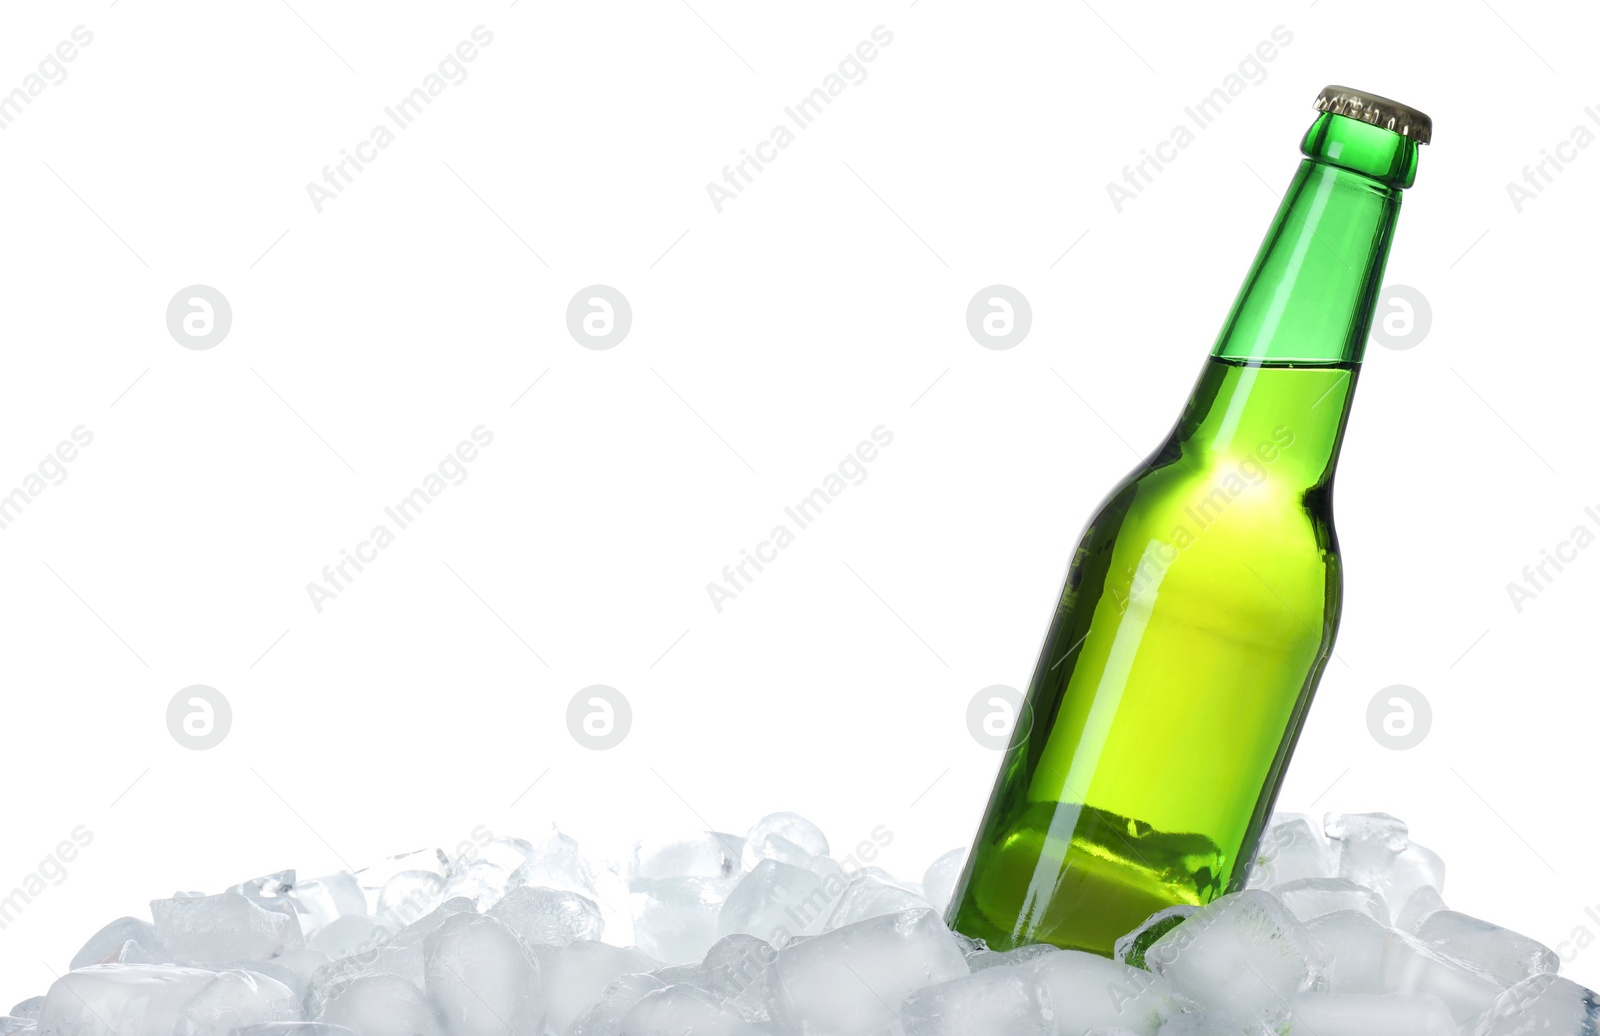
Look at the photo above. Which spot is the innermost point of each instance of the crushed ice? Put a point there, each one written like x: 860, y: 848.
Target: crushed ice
x: 1341, y: 932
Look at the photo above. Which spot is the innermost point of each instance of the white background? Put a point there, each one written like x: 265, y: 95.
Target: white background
x: 767, y: 340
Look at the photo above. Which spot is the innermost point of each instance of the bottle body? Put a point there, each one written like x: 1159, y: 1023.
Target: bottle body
x: 1199, y: 610
x: 1201, y: 605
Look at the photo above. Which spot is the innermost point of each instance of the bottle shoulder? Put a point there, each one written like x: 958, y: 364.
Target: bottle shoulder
x: 1221, y: 504
x: 1261, y: 479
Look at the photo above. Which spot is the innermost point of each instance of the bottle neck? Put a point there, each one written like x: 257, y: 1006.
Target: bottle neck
x: 1310, y: 293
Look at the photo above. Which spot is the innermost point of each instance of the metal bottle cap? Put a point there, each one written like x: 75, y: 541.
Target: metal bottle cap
x: 1379, y: 111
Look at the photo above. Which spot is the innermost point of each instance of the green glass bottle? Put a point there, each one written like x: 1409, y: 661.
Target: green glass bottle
x: 1202, y: 603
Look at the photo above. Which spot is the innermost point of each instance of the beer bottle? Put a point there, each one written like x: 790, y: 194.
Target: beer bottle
x: 1202, y: 602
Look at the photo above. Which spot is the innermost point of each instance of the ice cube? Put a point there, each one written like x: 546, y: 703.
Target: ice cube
x: 736, y: 962
x: 334, y: 976
x: 1084, y: 991
x: 352, y: 933
x: 556, y: 863
x: 434, y: 861
x: 736, y: 969
x: 1353, y: 946
x: 413, y: 933
x: 1412, y: 966
x: 480, y: 881
x: 544, y: 955
x: 382, y: 1005
x: 409, y: 895
x: 322, y: 900
x: 12, y: 1026
x: 28, y: 1008
x: 293, y: 969
x: 1312, y: 897
x: 775, y: 902
x: 834, y: 876
x: 237, y: 998
x: 550, y: 916
x: 676, y: 918
x: 1506, y: 955
x: 982, y: 958
x: 851, y: 981
x: 1542, y: 1004
x: 1415, y: 868
x: 506, y: 853
x: 1242, y: 955
x: 1207, y: 1025
x: 1367, y: 845
x: 1365, y: 957
x: 400, y: 954
x: 131, y: 952
x: 939, y: 880
x: 270, y: 891
x: 119, y: 999
x: 294, y: 979
x: 575, y: 976
x: 872, y: 897
x: 1002, y: 1001
x: 112, y: 939
x: 708, y: 854
x: 372, y: 879
x: 1130, y: 949
x: 403, y: 954
x: 481, y: 979
x: 794, y: 831
x: 1290, y: 849
x: 779, y: 848
x: 680, y: 1010
x: 222, y: 928
x: 614, y: 900
x: 1356, y: 1014
x: 1422, y: 905
x: 294, y: 1029
x: 691, y: 974
x: 605, y: 1017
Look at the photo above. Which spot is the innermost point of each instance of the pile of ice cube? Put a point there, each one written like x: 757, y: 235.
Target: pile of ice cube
x: 1342, y: 932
